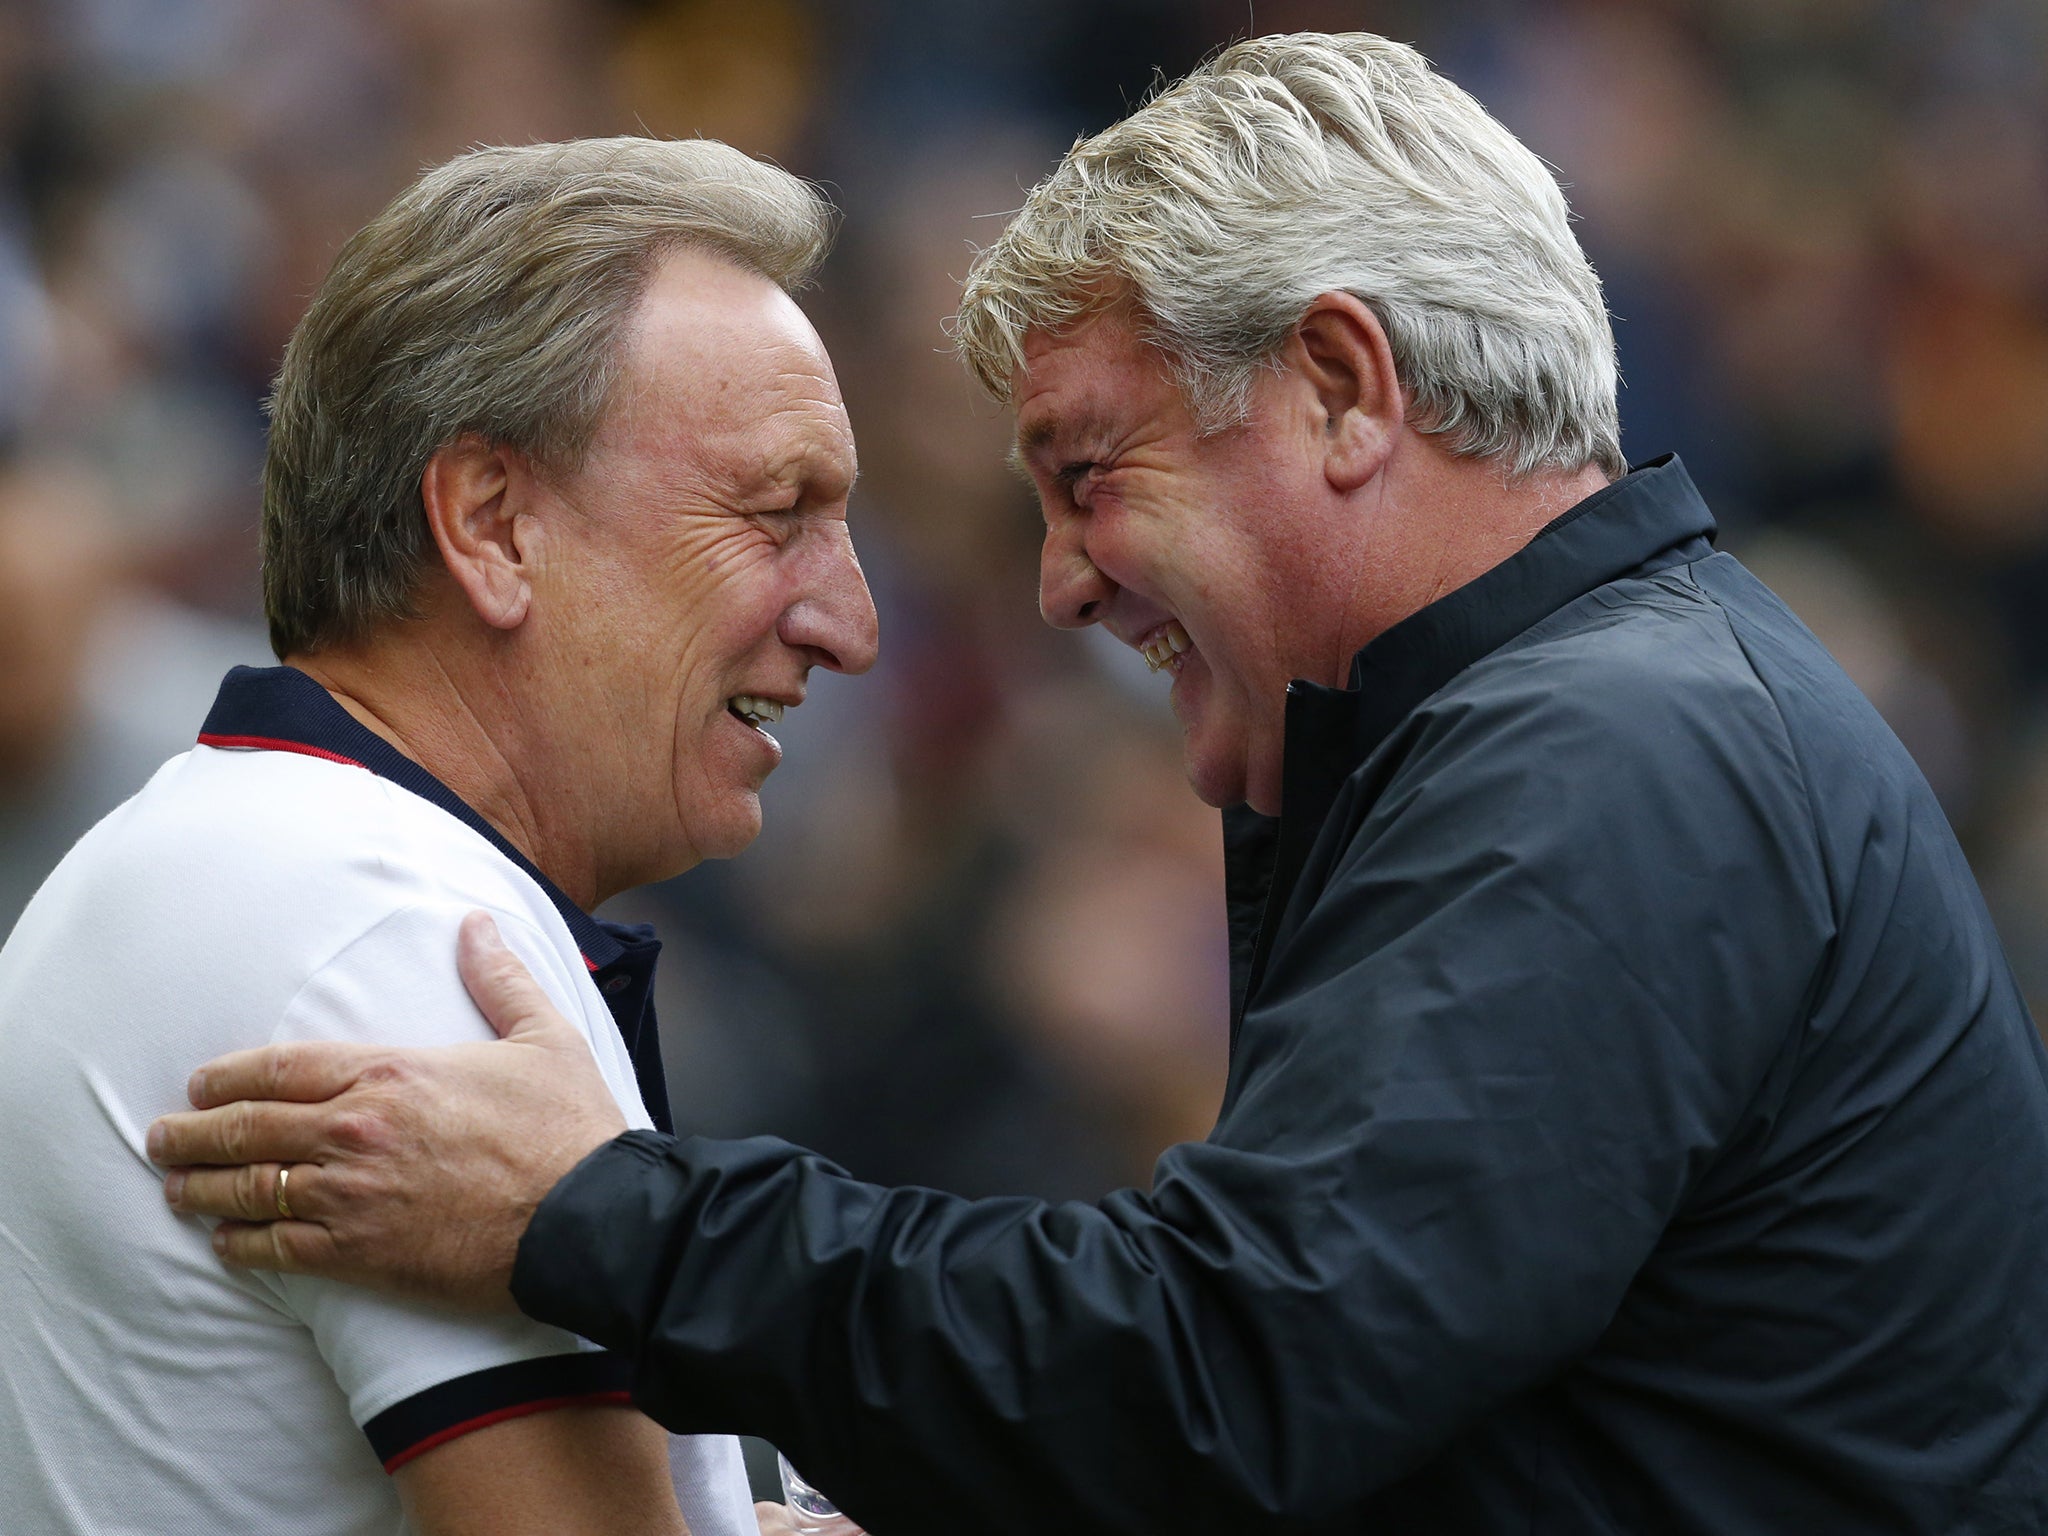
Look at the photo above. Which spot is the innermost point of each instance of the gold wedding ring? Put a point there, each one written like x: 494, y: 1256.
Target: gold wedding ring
x: 284, y: 1205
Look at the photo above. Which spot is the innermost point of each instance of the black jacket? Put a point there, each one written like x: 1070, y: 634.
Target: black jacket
x: 1632, y: 1126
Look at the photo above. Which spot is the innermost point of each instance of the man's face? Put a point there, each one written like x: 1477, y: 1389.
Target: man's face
x: 1205, y: 552
x: 698, y: 566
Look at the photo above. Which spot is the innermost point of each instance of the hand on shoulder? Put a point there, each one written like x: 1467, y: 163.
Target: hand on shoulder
x: 414, y: 1171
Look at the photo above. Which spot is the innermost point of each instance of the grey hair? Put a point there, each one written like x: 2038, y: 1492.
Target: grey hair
x: 489, y: 297
x: 1296, y: 165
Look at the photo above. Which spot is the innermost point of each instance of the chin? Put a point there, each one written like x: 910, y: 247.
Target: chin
x: 731, y: 833
x: 1215, y: 784
x: 1228, y: 760
x: 1230, y: 782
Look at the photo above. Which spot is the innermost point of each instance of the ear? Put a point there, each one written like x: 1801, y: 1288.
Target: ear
x: 467, y: 492
x: 1340, y: 349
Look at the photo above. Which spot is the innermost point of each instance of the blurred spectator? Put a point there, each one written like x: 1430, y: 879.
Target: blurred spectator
x: 1868, y: 632
x: 101, y: 680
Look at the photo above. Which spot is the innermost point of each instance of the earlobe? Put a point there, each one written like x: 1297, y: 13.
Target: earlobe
x: 1342, y: 352
x: 468, y: 493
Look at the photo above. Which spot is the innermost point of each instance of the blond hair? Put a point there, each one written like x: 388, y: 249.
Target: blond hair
x: 489, y: 297
x: 1295, y: 165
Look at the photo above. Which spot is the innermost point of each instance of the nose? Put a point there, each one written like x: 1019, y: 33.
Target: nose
x: 1071, y: 591
x: 835, y: 618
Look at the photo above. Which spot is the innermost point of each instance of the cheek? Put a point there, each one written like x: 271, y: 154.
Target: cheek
x: 1172, y: 528
x: 702, y: 571
x: 1133, y: 540
x: 725, y: 640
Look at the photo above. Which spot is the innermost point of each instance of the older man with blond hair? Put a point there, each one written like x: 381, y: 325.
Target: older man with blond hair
x: 554, y: 524
x: 1632, y: 1124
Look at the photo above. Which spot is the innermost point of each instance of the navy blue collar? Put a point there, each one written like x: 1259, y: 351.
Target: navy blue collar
x: 1650, y: 518
x: 281, y: 709
x: 1652, y: 515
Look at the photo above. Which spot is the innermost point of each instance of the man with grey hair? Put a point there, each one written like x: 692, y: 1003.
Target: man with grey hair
x: 1632, y: 1124
x: 554, y: 525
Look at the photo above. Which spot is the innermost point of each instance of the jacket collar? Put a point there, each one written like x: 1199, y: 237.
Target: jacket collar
x: 1652, y: 517
x: 281, y: 709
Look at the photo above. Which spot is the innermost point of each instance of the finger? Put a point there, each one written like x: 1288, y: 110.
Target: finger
x: 242, y: 1133
x: 773, y: 1519
x: 248, y: 1193
x: 503, y: 988
x: 305, y: 1071
x: 290, y: 1247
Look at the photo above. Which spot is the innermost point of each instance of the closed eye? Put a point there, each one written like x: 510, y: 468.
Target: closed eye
x: 780, y: 522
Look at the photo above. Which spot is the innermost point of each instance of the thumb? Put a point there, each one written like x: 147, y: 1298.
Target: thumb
x: 502, y: 987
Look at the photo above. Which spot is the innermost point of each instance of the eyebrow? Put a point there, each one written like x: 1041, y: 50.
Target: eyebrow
x: 1033, y: 439
x: 808, y: 465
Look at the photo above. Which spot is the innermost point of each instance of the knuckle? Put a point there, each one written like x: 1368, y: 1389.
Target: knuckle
x: 360, y: 1133
x: 305, y: 1192
x: 236, y: 1127
x: 282, y: 1065
x: 387, y: 1070
x: 307, y: 1249
x: 256, y: 1247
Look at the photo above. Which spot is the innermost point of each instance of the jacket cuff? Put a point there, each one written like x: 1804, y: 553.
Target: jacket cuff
x: 594, y: 1244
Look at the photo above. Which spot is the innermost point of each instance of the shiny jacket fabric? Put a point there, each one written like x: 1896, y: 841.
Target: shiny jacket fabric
x: 1632, y: 1126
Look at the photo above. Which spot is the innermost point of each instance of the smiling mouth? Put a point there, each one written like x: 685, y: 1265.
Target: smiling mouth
x: 1164, y: 648
x: 757, y: 712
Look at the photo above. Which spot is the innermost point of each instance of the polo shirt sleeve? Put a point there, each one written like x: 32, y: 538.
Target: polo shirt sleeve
x: 416, y: 1376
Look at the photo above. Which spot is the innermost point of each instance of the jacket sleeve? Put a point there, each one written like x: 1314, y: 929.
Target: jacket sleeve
x: 1529, y: 1000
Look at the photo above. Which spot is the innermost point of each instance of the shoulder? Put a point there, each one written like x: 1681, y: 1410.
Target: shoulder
x: 1631, y: 725
x: 330, y: 807
x: 394, y: 980
x: 1642, y: 675
x: 235, y: 876
x: 346, y: 839
x: 1659, y: 645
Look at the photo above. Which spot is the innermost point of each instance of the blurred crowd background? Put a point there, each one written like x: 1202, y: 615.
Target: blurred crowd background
x: 980, y: 943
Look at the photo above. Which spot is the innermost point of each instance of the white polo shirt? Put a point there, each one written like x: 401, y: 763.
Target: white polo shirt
x: 297, y: 881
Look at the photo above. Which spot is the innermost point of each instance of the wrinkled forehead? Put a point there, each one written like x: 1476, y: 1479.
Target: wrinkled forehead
x: 729, y: 370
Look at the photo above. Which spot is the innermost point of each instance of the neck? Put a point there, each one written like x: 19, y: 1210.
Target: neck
x: 1434, y: 523
x: 438, y: 711
x: 1483, y: 518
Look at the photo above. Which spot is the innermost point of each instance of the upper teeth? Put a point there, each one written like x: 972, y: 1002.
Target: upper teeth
x: 756, y: 711
x: 1165, y: 643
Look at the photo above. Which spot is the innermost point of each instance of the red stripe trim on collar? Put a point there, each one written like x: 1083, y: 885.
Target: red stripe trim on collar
x: 275, y: 744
